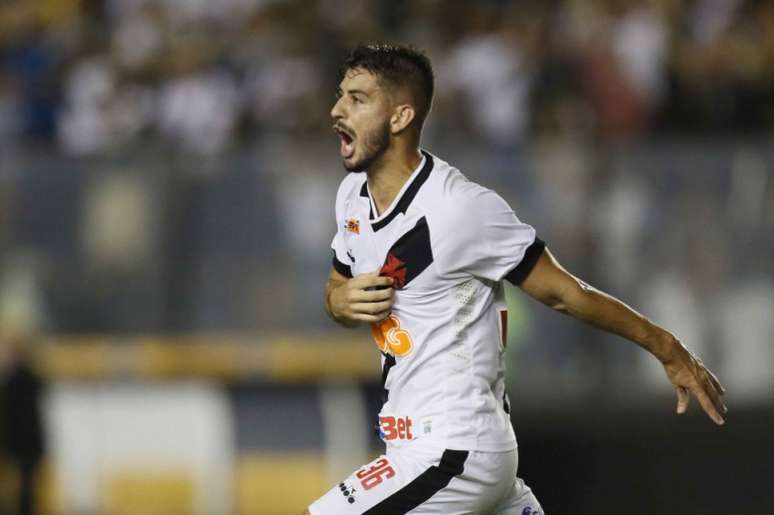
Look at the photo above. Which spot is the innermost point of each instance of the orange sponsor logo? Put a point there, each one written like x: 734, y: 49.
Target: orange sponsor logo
x: 353, y: 225
x: 396, y: 428
x: 390, y: 338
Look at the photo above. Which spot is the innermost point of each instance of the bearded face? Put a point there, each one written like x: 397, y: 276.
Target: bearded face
x: 361, y: 119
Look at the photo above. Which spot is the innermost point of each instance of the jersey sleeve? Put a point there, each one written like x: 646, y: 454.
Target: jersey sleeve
x: 340, y: 259
x: 481, y: 235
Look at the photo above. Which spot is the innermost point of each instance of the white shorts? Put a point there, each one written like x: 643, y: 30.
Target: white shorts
x: 427, y: 481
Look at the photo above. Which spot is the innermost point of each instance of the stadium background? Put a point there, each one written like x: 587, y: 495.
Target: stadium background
x: 167, y: 175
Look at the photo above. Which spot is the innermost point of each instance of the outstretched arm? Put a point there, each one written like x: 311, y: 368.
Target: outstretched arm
x: 552, y: 285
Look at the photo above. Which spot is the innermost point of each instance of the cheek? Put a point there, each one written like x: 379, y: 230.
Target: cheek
x: 374, y: 124
x: 372, y: 117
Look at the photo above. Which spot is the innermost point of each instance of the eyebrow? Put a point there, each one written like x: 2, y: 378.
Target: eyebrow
x: 339, y: 92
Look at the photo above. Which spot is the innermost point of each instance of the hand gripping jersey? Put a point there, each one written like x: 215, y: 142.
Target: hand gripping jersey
x: 447, y: 242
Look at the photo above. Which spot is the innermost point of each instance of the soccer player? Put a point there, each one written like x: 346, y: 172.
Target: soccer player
x: 420, y: 254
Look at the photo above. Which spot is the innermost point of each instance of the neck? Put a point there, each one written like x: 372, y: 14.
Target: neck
x: 387, y: 175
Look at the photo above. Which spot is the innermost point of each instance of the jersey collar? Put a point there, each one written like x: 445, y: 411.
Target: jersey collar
x: 410, y: 190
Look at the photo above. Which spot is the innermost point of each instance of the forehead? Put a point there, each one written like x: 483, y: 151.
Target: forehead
x: 361, y: 79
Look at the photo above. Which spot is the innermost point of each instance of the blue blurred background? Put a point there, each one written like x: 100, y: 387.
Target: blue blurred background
x: 167, y: 177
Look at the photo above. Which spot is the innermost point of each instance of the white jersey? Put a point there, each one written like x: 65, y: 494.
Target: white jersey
x: 447, y: 242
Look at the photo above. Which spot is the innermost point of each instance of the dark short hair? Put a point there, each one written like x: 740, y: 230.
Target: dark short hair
x: 399, y: 65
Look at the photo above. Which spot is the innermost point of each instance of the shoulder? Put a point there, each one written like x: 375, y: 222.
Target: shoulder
x: 350, y: 186
x: 348, y: 191
x: 454, y: 199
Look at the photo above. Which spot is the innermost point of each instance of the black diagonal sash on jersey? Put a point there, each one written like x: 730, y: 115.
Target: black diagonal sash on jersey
x: 409, y: 256
x: 389, y: 362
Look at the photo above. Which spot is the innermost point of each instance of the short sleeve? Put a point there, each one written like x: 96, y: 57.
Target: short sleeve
x: 340, y: 260
x: 481, y: 235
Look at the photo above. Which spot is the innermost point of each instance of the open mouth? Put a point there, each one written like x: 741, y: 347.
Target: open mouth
x: 347, y: 149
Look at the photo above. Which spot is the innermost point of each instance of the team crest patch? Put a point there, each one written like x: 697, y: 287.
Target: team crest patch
x: 353, y: 225
x: 409, y: 256
x: 395, y: 268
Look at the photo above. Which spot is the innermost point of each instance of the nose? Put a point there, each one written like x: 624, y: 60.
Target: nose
x: 337, y: 111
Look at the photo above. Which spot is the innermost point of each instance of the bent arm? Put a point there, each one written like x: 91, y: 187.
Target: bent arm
x: 363, y: 298
x: 335, y: 280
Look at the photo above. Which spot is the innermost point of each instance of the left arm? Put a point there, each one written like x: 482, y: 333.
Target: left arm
x: 552, y: 285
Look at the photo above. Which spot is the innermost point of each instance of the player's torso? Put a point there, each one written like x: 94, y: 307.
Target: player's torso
x: 442, y: 344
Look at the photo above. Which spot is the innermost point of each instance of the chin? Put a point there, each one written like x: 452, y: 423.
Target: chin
x: 351, y: 165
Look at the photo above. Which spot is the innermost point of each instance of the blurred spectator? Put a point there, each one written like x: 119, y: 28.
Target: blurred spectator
x: 198, y: 111
x: 489, y: 69
x: 9, y: 123
x: 22, y: 305
x: 20, y: 418
x: 621, y: 68
x: 747, y: 330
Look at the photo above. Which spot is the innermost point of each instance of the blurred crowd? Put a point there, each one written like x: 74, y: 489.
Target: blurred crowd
x: 95, y: 74
x: 167, y: 168
x: 168, y: 165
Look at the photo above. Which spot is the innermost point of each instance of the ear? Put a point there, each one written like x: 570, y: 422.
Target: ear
x: 401, y: 117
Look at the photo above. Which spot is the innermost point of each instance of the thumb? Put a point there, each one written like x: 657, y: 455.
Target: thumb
x: 683, y: 398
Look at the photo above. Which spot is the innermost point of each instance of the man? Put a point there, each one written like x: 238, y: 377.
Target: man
x: 420, y: 254
x: 21, y: 390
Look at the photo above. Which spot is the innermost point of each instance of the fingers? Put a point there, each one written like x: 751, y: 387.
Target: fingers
x: 384, y: 314
x: 683, y: 399
x: 371, y: 318
x: 707, y: 390
x: 372, y: 280
x: 691, y: 377
x: 372, y: 295
x: 370, y: 288
x: 708, y: 406
x: 712, y: 389
x: 715, y: 382
x: 371, y: 308
x: 365, y: 298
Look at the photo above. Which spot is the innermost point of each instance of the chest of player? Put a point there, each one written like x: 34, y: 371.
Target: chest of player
x: 400, y: 248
